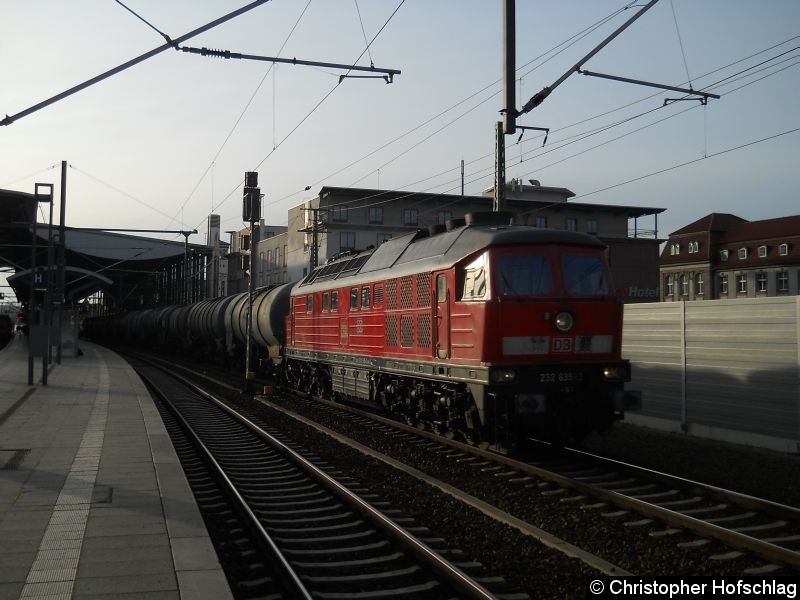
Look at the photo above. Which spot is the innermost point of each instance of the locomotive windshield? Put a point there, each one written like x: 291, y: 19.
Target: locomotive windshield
x: 525, y: 275
x: 585, y: 276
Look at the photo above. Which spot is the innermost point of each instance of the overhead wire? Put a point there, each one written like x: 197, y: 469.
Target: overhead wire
x: 314, y: 109
x: 146, y: 22
x: 573, y: 139
x: 34, y: 174
x: 574, y: 38
x: 678, y: 166
x: 364, y: 32
x: 680, y: 43
x: 241, y: 115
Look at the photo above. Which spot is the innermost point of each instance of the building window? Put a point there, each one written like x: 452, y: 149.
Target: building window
x: 723, y: 284
x: 347, y: 240
x: 668, y: 285
x: 382, y: 237
x: 410, y: 216
x: 376, y: 214
x: 339, y: 214
x: 684, y: 285
x: 742, y: 253
x: 741, y: 283
x: 723, y: 255
x: 762, y: 252
x: 783, y: 281
x: 674, y: 249
x: 541, y: 222
x: 284, y: 255
x: 443, y: 216
x: 761, y: 282
x: 591, y: 226
x: 783, y: 249
x: 694, y: 247
x: 571, y: 224
x: 698, y: 284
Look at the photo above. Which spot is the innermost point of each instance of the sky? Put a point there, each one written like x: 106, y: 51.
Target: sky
x: 166, y: 142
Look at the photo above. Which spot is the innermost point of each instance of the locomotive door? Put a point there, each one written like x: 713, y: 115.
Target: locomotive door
x: 442, y: 317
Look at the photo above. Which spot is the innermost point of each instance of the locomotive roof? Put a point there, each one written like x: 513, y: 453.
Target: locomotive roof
x: 415, y: 252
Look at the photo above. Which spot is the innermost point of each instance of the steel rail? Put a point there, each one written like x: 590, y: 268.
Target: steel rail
x: 731, y: 538
x: 449, y: 572
x: 283, y: 563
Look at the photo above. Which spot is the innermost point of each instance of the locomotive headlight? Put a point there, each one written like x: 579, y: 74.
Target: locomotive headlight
x: 504, y: 376
x: 615, y: 373
x: 564, y: 321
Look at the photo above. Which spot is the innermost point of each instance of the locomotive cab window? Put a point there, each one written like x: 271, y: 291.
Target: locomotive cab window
x: 475, y: 279
x: 326, y: 302
x: 353, y: 297
x: 525, y: 275
x: 335, y: 300
x: 309, y: 303
x: 585, y: 276
x: 365, y: 296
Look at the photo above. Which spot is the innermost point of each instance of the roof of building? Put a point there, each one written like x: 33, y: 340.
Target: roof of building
x: 737, y: 229
x: 733, y: 232
x: 93, y: 257
x: 712, y: 222
x: 377, y: 196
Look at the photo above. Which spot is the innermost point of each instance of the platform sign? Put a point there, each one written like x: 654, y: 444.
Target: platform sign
x: 40, y: 280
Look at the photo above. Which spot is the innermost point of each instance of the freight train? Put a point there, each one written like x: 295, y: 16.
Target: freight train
x: 484, y: 330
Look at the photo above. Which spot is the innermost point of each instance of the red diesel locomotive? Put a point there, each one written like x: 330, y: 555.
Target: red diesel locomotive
x: 491, y: 332
x: 486, y: 331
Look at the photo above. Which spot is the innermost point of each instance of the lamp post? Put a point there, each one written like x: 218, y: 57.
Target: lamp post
x: 251, y: 212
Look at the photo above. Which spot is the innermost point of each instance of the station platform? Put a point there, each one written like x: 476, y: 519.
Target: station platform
x: 93, y: 500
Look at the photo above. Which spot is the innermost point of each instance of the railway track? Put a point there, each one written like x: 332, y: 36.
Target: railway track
x: 746, y: 524
x: 752, y: 535
x: 319, y: 533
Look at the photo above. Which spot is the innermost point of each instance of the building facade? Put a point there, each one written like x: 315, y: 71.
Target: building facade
x: 342, y: 219
x: 724, y: 256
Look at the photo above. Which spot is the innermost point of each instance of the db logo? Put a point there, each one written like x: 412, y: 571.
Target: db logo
x: 562, y: 344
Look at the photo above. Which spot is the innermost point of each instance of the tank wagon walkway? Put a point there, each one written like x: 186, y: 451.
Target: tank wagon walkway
x: 93, y: 500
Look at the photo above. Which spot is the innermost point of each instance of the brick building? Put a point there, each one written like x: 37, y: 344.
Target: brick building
x: 725, y: 256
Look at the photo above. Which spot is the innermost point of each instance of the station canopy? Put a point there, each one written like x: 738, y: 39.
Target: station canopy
x: 117, y: 263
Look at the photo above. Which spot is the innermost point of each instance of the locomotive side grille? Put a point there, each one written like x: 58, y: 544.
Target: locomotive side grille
x: 406, y: 292
x: 423, y: 290
x: 391, y: 294
x: 407, y: 331
x: 424, y: 331
x: 378, y: 295
x: 391, y: 330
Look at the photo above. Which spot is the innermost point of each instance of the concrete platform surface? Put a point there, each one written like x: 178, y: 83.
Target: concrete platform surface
x: 93, y: 500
